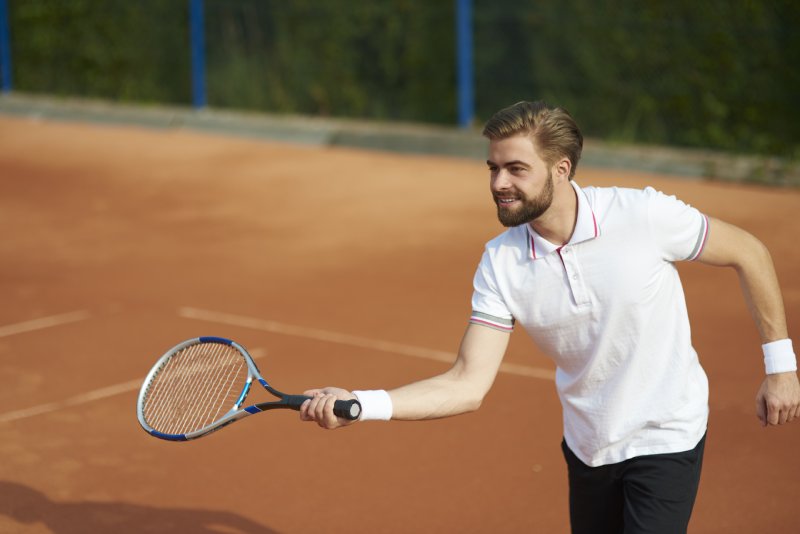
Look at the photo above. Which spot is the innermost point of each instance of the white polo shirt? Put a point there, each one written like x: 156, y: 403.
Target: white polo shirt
x: 608, y: 307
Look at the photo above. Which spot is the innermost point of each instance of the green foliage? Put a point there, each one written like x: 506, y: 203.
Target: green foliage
x: 717, y: 73
x: 114, y: 49
x: 376, y: 59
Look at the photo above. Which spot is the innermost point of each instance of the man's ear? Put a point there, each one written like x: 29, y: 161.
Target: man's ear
x: 562, y: 169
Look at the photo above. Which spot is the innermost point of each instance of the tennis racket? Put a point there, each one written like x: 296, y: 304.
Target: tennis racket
x: 199, y: 386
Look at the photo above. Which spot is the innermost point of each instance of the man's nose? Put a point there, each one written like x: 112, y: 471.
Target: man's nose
x: 500, y: 180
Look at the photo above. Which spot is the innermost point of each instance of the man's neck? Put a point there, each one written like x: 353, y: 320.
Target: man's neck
x: 557, y: 224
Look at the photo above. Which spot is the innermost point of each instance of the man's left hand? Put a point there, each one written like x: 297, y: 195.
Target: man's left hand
x: 778, y: 399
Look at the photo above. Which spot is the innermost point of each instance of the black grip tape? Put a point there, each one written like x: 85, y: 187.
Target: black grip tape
x: 349, y: 409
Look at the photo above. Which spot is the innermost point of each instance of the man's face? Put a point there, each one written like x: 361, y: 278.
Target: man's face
x: 520, y: 181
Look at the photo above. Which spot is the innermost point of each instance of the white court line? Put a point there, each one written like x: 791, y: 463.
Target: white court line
x: 354, y: 341
x: 43, y: 322
x: 83, y: 398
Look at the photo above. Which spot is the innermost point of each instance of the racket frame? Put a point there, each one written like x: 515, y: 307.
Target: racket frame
x: 347, y: 409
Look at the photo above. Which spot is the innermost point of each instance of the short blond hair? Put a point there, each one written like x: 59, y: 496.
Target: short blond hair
x: 554, y: 132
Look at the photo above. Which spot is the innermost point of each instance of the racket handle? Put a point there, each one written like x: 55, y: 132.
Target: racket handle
x: 349, y: 409
x: 346, y: 409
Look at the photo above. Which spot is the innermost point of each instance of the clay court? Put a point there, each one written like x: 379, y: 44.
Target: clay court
x: 334, y: 267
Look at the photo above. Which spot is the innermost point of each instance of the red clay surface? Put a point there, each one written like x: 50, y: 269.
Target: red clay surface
x: 129, y: 225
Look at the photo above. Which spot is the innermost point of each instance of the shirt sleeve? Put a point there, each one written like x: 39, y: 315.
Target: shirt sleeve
x: 679, y: 230
x: 488, y: 307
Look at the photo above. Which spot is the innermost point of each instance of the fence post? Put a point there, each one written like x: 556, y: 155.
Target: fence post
x: 466, y: 91
x: 198, y: 46
x: 5, y: 49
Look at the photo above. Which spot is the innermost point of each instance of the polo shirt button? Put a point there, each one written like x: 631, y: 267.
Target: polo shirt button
x: 574, y: 276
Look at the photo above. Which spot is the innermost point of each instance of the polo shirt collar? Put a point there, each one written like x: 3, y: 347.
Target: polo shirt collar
x: 585, y: 228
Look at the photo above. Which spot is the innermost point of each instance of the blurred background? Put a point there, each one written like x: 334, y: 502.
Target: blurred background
x: 717, y: 74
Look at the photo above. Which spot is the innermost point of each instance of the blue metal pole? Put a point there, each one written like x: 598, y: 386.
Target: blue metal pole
x: 5, y: 49
x: 466, y: 90
x: 198, y: 46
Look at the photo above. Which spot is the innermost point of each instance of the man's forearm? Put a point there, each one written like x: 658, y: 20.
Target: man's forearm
x: 762, y: 293
x: 730, y: 246
x: 434, y: 398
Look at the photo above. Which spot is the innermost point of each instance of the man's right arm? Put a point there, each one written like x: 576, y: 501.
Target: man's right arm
x: 459, y: 390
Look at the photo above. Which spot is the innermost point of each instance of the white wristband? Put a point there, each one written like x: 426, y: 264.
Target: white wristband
x: 376, y: 405
x: 779, y: 357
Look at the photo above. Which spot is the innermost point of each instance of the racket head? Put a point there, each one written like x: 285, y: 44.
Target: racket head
x: 196, y: 387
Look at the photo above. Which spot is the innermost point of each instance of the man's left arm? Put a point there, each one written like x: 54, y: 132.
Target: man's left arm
x: 778, y: 399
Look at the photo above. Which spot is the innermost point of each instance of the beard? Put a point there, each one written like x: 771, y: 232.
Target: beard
x: 530, y: 209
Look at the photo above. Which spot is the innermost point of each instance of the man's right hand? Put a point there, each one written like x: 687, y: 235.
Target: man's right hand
x: 320, y: 407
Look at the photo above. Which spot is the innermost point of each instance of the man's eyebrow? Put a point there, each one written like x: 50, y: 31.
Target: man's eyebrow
x: 508, y: 163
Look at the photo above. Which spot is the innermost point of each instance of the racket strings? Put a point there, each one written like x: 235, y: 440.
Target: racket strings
x: 173, y: 387
x: 201, y: 388
x: 217, y: 396
x: 195, y: 387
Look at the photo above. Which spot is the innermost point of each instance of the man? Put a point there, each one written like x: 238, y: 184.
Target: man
x: 589, y: 273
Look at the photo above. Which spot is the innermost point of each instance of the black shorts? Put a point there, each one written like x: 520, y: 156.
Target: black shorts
x: 647, y: 494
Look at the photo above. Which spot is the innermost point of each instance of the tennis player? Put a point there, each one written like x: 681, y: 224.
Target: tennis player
x: 590, y: 274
